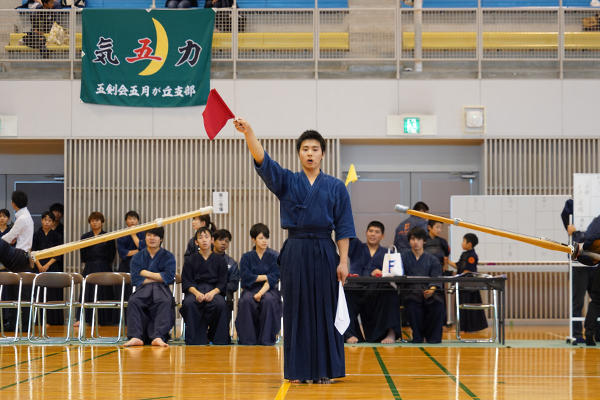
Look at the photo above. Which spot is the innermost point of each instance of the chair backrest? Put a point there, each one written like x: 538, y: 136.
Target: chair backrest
x: 77, y: 278
x: 105, y: 278
x: 9, y: 278
x: 27, y: 277
x: 53, y: 279
x: 127, y: 277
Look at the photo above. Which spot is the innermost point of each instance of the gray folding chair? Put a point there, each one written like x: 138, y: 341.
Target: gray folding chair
x: 43, y: 281
x: 178, y: 296
x: 493, y: 307
x: 10, y: 279
x: 98, y: 279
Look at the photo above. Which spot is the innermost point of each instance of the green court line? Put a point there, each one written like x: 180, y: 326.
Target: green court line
x: 388, y: 378
x: 56, y: 370
x: 156, y: 398
x: 33, y: 359
x: 440, y: 366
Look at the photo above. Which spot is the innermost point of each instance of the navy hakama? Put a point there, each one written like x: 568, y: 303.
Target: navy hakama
x: 259, y: 322
x: 426, y: 315
x: 99, y: 258
x: 150, y: 311
x: 470, y: 320
x: 313, y: 348
x: 207, y: 320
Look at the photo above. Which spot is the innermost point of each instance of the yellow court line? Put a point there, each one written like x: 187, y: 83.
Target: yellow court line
x: 282, y: 390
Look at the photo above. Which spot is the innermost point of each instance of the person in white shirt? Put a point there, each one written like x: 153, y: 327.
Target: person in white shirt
x: 16, y: 258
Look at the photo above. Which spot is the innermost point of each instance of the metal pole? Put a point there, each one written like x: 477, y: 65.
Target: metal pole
x: 316, y: 36
x: 479, y: 20
x: 561, y: 38
x: 418, y: 26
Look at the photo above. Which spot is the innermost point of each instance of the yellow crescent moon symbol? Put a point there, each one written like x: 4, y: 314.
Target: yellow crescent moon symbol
x: 162, y: 49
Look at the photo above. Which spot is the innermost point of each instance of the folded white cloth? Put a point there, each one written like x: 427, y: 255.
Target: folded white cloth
x: 342, y: 317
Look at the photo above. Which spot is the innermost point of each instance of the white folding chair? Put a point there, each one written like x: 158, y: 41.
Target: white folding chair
x: 10, y: 279
x: 493, y: 307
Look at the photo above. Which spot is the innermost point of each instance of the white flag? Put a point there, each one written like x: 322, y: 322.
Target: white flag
x: 342, y: 318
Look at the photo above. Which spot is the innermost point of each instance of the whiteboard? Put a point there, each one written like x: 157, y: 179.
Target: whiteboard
x: 586, y: 199
x: 537, y: 216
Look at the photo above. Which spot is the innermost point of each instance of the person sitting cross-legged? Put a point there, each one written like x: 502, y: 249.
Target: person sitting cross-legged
x: 150, y: 313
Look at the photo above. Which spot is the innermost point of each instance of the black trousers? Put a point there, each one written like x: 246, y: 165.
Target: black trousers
x: 593, y: 312
x: 206, y: 319
x: 151, y: 313
x: 582, y: 282
x: 426, y: 320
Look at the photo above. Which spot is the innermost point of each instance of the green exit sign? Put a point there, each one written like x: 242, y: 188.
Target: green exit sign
x: 412, y: 125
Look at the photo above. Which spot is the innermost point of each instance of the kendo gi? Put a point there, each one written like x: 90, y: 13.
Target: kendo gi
x: 150, y: 311
x: 259, y: 322
x: 377, y: 303
x: 470, y: 320
x: 426, y: 315
x: 313, y: 348
x: 124, y: 245
x: 14, y: 259
x: 591, y: 235
x: 582, y: 277
x: 401, y: 233
x: 206, y: 319
x: 99, y: 258
x: 42, y: 241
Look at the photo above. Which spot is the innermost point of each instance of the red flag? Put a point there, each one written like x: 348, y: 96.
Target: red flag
x: 216, y: 114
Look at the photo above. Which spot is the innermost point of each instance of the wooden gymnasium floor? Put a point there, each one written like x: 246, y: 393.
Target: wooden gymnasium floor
x: 536, y: 363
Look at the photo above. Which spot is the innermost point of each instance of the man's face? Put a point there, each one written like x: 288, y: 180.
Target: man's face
x: 47, y: 223
x: 152, y: 241
x: 416, y: 244
x: 3, y: 219
x: 95, y: 224
x: 57, y: 216
x: 221, y: 245
x: 131, y: 221
x: 203, y: 240
x: 310, y: 154
x: 435, y: 230
x: 374, y: 236
x: 196, y: 224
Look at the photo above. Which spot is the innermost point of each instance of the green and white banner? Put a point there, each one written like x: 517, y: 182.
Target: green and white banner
x: 140, y: 58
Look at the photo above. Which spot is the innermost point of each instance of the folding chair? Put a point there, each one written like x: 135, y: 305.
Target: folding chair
x: 477, y: 306
x: 41, y: 283
x: 102, y: 279
x: 178, y: 296
x: 10, y: 279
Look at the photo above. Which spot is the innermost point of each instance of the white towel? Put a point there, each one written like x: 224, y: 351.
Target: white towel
x: 342, y: 317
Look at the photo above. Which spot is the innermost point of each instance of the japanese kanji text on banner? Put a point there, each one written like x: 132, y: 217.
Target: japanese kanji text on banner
x: 157, y: 58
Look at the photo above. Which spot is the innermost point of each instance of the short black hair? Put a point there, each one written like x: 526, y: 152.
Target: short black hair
x: 158, y: 231
x: 471, y: 238
x: 432, y: 222
x: 132, y: 213
x: 19, y: 198
x: 202, y: 230
x: 48, y: 214
x: 421, y: 206
x: 208, y: 223
x: 310, y: 134
x: 417, y: 233
x: 222, y: 234
x: 5, y: 212
x: 376, y: 224
x: 96, y: 215
x: 257, y: 229
x: 57, y: 207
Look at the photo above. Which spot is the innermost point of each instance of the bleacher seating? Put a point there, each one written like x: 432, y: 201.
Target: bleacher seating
x: 240, y: 3
x: 500, y: 3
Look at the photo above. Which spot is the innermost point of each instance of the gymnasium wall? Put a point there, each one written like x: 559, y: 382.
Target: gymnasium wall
x: 338, y: 108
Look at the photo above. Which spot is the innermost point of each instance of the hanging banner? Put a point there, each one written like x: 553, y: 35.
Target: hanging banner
x: 141, y: 58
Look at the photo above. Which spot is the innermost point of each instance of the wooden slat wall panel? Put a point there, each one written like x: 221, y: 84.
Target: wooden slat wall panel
x: 163, y: 177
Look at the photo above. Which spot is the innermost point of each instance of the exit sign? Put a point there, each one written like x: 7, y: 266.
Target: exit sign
x: 412, y: 125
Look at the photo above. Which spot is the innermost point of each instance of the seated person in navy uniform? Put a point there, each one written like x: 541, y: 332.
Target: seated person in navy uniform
x: 424, y: 303
x: 401, y: 233
x: 203, y: 280
x: 379, y: 309
x: 197, y: 223
x: 128, y: 246
x: 259, y: 309
x: 150, y: 313
x: 221, y: 241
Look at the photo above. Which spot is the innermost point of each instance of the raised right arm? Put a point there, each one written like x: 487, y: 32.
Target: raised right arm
x: 256, y: 149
